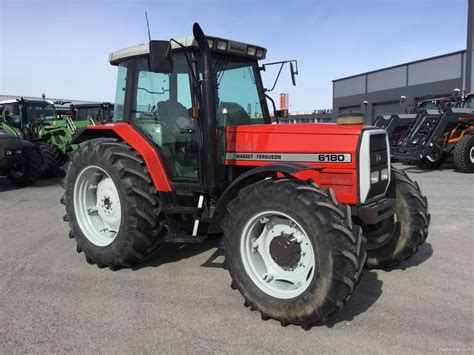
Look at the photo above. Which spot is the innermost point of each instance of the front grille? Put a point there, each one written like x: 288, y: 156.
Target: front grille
x: 378, y: 162
x: 378, y: 151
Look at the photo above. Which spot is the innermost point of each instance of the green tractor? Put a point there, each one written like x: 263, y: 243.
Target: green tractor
x: 37, y: 121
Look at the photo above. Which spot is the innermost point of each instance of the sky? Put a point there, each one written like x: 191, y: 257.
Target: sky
x: 61, y: 48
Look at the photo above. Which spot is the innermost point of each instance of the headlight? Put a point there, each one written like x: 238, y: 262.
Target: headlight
x: 259, y: 53
x: 251, y: 51
x: 222, y: 45
x: 8, y: 152
x: 384, y: 174
x: 374, y: 177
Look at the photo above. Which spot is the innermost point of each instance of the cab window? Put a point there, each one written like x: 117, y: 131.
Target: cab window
x: 161, y: 108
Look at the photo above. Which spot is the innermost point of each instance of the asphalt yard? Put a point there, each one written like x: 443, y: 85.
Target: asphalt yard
x: 51, y: 300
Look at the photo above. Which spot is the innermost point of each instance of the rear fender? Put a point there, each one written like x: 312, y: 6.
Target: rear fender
x: 132, y: 137
x: 287, y: 170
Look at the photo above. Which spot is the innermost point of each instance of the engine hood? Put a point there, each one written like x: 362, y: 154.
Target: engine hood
x: 308, y: 128
x: 310, y: 143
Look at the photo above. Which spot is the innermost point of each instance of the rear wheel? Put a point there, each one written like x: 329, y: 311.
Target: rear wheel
x: 52, y: 157
x: 291, y: 251
x: 112, y: 206
x: 398, y: 238
x: 464, y: 154
x: 29, y: 171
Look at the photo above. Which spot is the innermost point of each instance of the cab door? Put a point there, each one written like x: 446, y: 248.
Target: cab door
x: 161, y: 108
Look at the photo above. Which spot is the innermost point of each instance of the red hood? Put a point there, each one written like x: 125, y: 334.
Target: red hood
x: 308, y: 128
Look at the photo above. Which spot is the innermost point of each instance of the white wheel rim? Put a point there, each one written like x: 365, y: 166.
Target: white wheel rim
x: 267, y: 275
x: 471, y: 154
x: 97, y: 206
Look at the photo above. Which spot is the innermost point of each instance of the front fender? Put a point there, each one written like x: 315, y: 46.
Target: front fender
x: 288, y: 170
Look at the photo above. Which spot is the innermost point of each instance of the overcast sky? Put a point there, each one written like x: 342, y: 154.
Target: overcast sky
x: 61, y: 47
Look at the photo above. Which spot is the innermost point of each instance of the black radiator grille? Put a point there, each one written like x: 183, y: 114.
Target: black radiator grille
x: 378, y: 162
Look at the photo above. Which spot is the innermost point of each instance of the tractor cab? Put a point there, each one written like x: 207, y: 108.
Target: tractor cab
x: 164, y: 104
x: 26, y: 116
x: 94, y: 113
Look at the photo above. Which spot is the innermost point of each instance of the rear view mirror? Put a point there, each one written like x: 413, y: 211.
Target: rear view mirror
x: 16, y: 110
x: 293, y: 73
x: 160, y: 57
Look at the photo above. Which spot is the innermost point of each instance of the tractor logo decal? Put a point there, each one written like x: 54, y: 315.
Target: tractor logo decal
x: 303, y: 157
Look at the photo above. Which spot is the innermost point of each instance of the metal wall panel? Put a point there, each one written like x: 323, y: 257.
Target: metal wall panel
x: 439, y: 69
x: 349, y: 109
x: 385, y: 109
x: 387, y: 79
x: 351, y: 86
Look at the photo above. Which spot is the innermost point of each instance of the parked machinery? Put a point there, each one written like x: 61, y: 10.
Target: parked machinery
x: 19, y: 159
x: 299, y: 206
x: 438, y: 134
x: 37, y: 121
x: 398, y: 125
x: 97, y: 113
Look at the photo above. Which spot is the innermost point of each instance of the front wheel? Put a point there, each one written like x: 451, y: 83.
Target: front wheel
x: 112, y: 206
x: 398, y: 238
x: 28, y: 172
x: 291, y: 251
x: 52, y: 157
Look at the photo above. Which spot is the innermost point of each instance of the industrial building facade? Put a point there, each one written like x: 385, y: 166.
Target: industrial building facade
x: 398, y: 88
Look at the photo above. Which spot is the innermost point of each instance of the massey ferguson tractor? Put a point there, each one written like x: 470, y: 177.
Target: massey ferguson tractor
x: 193, y: 152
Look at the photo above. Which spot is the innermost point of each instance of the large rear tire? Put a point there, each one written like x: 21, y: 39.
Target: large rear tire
x: 53, y: 159
x: 29, y: 172
x: 464, y: 154
x: 291, y: 251
x: 112, y: 206
x: 404, y: 233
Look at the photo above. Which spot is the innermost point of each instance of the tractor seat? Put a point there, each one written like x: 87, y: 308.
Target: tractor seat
x: 466, y: 120
x: 170, y: 110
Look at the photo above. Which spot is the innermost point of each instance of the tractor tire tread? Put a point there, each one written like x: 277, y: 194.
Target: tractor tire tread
x: 344, y: 243
x: 145, y: 227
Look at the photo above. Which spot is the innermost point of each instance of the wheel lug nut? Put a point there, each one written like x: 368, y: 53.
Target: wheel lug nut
x: 268, y: 277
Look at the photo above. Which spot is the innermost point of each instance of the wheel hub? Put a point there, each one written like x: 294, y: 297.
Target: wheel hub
x: 108, y: 200
x: 285, y: 251
x: 97, y: 205
x: 277, y: 254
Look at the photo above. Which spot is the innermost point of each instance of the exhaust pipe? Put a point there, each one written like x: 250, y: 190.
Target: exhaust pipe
x: 208, y: 114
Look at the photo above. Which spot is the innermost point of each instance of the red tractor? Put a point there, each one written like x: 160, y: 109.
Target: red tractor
x: 193, y: 152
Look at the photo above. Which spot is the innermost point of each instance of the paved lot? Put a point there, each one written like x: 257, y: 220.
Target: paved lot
x: 51, y: 300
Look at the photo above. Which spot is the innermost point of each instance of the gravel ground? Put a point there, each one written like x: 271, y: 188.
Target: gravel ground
x: 51, y: 300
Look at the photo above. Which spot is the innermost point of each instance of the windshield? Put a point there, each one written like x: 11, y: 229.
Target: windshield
x: 237, y: 92
x: 428, y: 105
x: 39, y: 111
x: 469, y: 102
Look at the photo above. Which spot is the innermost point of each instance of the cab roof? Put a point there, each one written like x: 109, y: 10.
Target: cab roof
x: 219, y: 45
x: 12, y: 101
